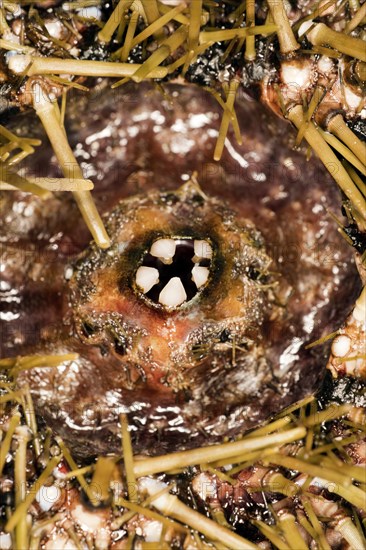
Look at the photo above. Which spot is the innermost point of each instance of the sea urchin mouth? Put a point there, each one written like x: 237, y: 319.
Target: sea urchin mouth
x: 173, y: 270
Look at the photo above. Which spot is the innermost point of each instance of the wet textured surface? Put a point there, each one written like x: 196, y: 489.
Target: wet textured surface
x: 213, y: 393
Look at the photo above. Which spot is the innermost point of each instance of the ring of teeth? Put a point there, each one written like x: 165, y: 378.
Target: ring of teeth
x: 174, y: 270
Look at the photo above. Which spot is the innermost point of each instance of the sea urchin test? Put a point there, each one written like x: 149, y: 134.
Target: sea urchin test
x: 184, y: 323
x: 184, y: 288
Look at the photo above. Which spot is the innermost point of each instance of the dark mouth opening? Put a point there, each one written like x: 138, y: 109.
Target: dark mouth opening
x: 174, y: 270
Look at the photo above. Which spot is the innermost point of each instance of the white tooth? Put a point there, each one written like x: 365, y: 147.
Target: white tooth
x: 173, y: 294
x: 146, y: 278
x: 163, y: 248
x: 200, y: 275
x: 202, y: 249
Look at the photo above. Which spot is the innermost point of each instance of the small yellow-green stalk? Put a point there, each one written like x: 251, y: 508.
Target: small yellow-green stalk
x: 330, y: 161
x: 23, y: 507
x: 339, y: 128
x: 322, y: 35
x: 128, y: 459
x: 211, y: 453
x: 69, y: 165
x: 286, y: 37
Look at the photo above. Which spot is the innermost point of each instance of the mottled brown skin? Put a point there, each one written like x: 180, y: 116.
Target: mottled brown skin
x: 156, y: 144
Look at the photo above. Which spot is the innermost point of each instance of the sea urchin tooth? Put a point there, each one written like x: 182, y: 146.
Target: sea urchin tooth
x: 163, y: 248
x: 202, y: 249
x: 146, y: 278
x: 200, y: 275
x: 173, y: 294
